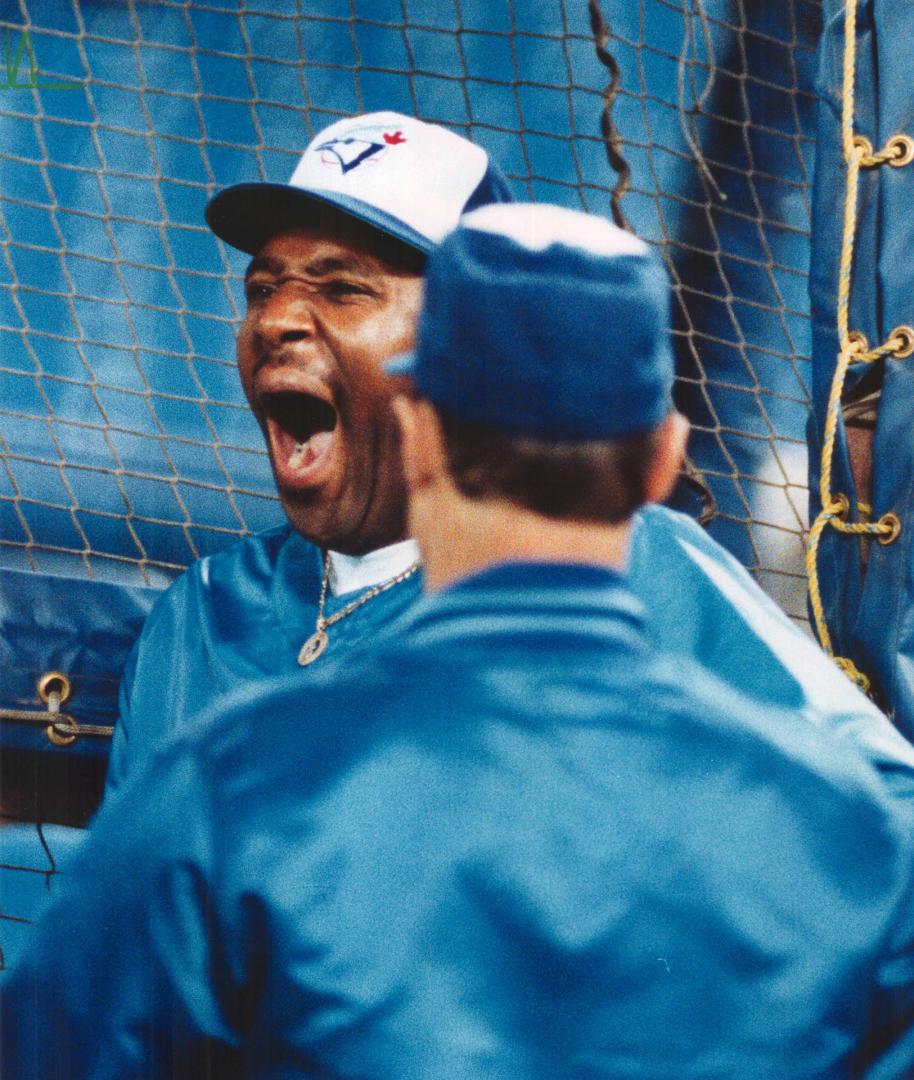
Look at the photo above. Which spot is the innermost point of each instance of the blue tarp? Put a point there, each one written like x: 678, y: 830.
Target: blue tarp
x: 82, y: 628
x: 869, y: 612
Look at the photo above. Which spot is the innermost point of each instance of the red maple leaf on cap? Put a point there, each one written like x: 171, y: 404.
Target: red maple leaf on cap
x: 395, y: 139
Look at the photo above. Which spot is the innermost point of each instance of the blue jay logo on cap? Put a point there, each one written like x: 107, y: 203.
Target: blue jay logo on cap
x: 361, y: 146
x: 371, y: 167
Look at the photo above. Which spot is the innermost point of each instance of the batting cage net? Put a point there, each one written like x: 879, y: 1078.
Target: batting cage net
x: 126, y: 449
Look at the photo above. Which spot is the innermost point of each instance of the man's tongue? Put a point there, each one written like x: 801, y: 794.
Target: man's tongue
x: 302, y: 428
x: 303, y: 453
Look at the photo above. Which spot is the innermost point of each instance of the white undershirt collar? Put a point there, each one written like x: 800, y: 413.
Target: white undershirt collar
x: 349, y: 573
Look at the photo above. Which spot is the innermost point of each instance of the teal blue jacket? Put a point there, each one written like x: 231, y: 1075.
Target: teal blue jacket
x: 239, y: 617
x: 513, y: 840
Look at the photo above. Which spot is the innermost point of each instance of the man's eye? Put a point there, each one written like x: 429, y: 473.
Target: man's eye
x: 342, y: 289
x: 256, y: 290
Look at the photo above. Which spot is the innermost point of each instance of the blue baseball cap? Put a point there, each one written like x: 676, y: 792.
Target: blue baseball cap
x: 407, y: 178
x: 547, y: 323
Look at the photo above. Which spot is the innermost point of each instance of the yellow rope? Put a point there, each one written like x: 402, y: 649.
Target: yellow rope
x: 882, y: 158
x: 835, y: 507
x: 898, y: 151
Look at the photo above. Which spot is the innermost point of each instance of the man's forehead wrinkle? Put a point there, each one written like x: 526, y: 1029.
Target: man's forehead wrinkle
x: 263, y: 263
x: 331, y: 264
x: 317, y: 266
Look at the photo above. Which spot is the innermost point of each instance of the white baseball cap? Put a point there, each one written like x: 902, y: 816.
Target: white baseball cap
x: 407, y: 178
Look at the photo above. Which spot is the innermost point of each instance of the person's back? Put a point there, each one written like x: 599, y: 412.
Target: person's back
x: 514, y: 841
x: 555, y: 853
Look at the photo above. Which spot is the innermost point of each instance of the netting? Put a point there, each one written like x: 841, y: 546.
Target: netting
x: 126, y: 447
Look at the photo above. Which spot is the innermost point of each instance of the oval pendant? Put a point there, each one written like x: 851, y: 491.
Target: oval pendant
x: 313, y: 648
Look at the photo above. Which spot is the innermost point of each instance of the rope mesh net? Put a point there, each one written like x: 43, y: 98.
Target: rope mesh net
x: 126, y: 449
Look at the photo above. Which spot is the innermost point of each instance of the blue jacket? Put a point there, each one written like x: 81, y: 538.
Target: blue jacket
x: 513, y: 840
x: 241, y: 616
x: 230, y: 621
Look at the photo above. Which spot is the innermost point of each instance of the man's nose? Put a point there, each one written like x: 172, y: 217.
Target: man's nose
x: 285, y: 319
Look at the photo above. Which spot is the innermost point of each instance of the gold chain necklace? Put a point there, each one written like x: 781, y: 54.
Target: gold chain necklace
x: 318, y: 641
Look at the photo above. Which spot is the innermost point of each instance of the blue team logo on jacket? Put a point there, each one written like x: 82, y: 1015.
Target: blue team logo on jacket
x: 357, y: 149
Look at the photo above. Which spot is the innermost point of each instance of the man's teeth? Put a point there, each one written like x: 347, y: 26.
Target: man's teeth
x: 306, y: 452
x: 298, y: 455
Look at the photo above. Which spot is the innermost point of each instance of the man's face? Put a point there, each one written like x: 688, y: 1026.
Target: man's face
x: 324, y: 311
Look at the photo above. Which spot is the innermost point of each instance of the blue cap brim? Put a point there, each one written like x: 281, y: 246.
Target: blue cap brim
x: 403, y: 364
x: 246, y: 216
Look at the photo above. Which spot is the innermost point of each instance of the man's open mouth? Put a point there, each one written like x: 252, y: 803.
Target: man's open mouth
x: 301, y: 429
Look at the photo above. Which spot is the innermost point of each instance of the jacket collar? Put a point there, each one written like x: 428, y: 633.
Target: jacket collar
x: 579, y: 599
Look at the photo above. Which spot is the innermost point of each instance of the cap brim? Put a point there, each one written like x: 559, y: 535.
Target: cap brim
x: 248, y: 215
x: 403, y: 364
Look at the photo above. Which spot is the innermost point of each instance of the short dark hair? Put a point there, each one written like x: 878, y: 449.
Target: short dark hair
x: 601, y: 482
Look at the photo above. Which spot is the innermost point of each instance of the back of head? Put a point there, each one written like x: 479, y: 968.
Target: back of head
x: 544, y: 347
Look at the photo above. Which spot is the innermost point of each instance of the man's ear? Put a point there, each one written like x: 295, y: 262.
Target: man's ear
x: 663, y: 471
x: 421, y: 442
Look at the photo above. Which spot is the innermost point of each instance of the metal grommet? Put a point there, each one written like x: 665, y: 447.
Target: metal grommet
x: 906, y: 349
x: 858, y: 342
x: 902, y: 148
x: 894, y: 523
x: 54, y: 735
x: 54, y: 689
x: 863, y: 144
x: 54, y: 682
